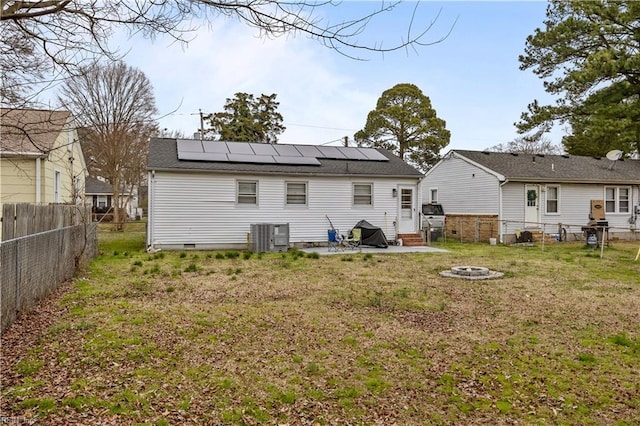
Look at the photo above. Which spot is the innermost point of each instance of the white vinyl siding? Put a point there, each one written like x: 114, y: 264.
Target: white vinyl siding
x: 362, y: 194
x: 296, y: 193
x: 247, y: 192
x: 462, y: 188
x: 552, y: 199
x: 201, y: 208
x: 617, y: 199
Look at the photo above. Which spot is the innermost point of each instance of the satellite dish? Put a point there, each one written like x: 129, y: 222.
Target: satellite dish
x: 614, y: 155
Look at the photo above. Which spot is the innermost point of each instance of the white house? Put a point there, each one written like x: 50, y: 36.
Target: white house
x: 536, y: 192
x: 206, y: 194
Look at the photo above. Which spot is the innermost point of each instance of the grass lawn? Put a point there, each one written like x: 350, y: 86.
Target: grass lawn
x: 233, y: 338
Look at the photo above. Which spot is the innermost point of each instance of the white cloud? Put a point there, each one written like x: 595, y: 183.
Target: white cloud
x: 228, y: 58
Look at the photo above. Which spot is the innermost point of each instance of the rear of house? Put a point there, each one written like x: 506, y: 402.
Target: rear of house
x: 207, y: 194
x: 495, y: 195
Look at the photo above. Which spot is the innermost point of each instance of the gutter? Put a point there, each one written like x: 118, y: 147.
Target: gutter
x: 22, y: 154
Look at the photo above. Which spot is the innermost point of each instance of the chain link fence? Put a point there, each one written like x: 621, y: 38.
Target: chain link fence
x: 32, y: 266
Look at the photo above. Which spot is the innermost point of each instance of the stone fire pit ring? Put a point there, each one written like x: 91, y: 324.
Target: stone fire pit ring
x: 468, y: 272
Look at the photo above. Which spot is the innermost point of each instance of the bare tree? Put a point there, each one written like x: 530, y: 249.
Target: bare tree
x: 115, y: 106
x: 528, y: 145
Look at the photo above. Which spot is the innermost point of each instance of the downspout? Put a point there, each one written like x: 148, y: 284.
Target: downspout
x: 38, y: 180
x: 500, y: 212
x: 150, y: 209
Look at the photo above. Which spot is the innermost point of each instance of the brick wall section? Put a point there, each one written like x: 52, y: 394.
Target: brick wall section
x: 471, y: 227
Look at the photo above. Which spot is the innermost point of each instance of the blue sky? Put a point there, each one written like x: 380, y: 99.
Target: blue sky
x: 472, y: 77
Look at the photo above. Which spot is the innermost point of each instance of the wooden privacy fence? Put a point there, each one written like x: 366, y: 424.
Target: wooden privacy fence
x: 19, y: 220
x: 34, y: 265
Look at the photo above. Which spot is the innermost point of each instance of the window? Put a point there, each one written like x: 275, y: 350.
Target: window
x: 248, y: 192
x: 433, y: 195
x: 362, y: 194
x: 553, y: 198
x: 57, y: 181
x: 616, y: 199
x: 296, y: 193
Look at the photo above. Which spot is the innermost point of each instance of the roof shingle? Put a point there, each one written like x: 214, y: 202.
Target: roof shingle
x: 29, y: 131
x: 556, y: 168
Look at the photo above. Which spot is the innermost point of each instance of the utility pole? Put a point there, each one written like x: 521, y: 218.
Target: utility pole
x: 201, y: 125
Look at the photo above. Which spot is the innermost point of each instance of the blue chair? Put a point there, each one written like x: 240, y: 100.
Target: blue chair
x: 334, y: 240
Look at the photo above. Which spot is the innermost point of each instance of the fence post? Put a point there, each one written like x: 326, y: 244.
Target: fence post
x: 8, y: 221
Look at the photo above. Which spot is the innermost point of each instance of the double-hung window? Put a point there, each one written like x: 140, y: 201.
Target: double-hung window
x: 616, y: 199
x: 247, y: 192
x: 296, y: 193
x: 553, y: 199
x: 433, y: 195
x: 362, y: 194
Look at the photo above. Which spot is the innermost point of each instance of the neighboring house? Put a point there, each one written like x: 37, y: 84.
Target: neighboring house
x: 98, y: 194
x: 41, y: 160
x: 534, y: 192
x: 206, y: 194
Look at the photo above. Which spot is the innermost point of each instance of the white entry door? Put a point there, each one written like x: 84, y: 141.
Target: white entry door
x: 532, y: 206
x: 407, y: 210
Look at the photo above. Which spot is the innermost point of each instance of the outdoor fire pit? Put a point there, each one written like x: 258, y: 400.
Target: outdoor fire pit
x: 471, y: 273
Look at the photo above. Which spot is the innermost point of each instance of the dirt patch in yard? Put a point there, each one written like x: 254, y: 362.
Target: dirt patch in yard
x: 195, y: 338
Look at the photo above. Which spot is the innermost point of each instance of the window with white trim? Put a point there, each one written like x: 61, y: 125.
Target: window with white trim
x: 247, y: 192
x: 433, y: 195
x: 57, y: 183
x: 296, y: 193
x: 362, y: 194
x: 553, y: 199
x: 616, y: 199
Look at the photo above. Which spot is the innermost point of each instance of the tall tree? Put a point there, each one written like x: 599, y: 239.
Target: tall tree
x: 70, y: 34
x: 405, y: 123
x: 588, y: 54
x: 115, y: 106
x: 246, y: 119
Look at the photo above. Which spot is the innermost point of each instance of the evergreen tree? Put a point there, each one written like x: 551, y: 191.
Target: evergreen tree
x: 589, y: 55
x: 246, y: 119
x: 405, y: 123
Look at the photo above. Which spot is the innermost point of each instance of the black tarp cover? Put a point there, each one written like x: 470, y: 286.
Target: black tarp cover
x: 372, y: 235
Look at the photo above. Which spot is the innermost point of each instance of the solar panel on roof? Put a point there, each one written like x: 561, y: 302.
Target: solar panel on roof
x: 243, y: 152
x: 263, y: 149
x: 239, y: 148
x: 309, y: 151
x: 352, y: 153
x: 215, y: 146
x: 309, y: 161
x: 373, y: 154
x: 287, y: 150
x: 331, y: 152
x: 202, y: 156
x: 258, y: 159
x: 189, y: 145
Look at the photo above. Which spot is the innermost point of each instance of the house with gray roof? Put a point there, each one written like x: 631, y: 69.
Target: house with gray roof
x: 207, y: 194
x: 536, y: 192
